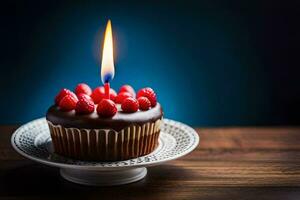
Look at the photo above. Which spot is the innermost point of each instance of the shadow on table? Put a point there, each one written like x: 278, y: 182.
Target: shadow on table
x: 168, y: 181
x: 34, y: 180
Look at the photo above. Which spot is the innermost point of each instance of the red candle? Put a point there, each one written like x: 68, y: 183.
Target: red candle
x: 107, y: 88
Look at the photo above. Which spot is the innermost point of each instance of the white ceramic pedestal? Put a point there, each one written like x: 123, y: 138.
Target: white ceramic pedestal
x: 103, y: 177
x: 33, y: 141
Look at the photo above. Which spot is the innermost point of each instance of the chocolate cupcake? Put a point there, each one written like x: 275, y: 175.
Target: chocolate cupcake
x: 90, y: 136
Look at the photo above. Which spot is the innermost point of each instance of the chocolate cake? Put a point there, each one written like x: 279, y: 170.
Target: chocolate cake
x: 90, y: 136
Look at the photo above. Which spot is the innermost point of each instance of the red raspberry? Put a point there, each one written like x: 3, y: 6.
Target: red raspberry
x: 68, y: 102
x: 83, y: 88
x: 130, y: 105
x: 98, y: 94
x: 149, y: 93
x: 112, y: 94
x: 85, y: 106
x: 144, y: 103
x: 106, y: 108
x: 62, y: 93
x: 122, y: 96
x: 127, y: 88
x: 81, y: 95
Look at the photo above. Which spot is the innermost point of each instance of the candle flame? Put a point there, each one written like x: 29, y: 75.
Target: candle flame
x: 107, y: 64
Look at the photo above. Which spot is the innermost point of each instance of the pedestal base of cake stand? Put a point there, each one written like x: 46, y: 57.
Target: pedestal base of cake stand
x: 103, y: 177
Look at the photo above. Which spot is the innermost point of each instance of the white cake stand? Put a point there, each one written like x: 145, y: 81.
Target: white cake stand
x: 33, y: 141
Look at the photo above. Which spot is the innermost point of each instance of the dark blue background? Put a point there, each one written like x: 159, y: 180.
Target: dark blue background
x: 211, y: 63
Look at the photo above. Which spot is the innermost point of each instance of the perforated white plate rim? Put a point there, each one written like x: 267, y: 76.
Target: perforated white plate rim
x: 169, y: 129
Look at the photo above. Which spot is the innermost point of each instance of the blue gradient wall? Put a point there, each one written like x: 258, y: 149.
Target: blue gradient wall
x: 210, y: 63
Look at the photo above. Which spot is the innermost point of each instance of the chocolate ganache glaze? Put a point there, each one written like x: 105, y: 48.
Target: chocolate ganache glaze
x: 93, y: 121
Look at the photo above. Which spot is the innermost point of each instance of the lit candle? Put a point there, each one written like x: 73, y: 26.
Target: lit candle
x: 107, y: 64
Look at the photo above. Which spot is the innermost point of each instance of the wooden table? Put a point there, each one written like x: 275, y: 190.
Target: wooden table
x: 229, y: 163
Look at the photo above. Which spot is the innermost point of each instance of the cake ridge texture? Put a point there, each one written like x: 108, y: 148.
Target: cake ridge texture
x: 105, y: 144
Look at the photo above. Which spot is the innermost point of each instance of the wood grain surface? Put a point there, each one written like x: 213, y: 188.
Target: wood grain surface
x: 229, y: 163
